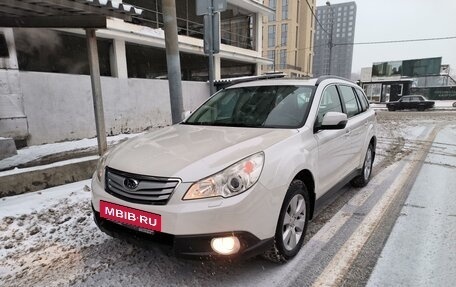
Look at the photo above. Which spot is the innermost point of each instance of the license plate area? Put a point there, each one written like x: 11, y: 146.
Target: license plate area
x: 131, y: 217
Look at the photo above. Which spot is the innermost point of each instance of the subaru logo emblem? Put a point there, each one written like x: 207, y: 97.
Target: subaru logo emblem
x: 131, y: 183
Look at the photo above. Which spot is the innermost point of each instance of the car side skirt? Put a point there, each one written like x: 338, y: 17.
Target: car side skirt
x: 332, y: 194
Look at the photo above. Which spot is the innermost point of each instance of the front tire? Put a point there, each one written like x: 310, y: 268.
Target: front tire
x: 362, y: 179
x: 292, y: 224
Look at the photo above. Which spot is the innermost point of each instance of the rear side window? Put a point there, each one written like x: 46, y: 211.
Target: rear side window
x: 349, y: 98
x: 362, y: 99
x: 405, y: 99
x: 330, y: 102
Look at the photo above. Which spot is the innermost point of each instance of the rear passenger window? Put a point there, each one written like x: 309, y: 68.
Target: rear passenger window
x: 405, y: 100
x: 349, y: 98
x: 362, y: 99
x: 330, y: 102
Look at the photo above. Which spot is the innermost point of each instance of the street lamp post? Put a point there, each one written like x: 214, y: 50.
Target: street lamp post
x: 330, y: 42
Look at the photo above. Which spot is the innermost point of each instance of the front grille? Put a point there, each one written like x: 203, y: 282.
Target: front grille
x: 149, y: 189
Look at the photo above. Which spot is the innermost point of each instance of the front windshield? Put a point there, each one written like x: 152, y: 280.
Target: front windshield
x: 263, y: 106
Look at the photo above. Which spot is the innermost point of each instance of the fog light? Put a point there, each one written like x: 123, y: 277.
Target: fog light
x: 226, y: 245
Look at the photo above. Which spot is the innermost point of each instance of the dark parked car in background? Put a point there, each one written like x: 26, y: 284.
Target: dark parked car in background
x: 411, y: 102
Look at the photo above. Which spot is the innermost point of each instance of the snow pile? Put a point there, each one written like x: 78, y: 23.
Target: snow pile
x: 38, y: 230
x: 35, y: 152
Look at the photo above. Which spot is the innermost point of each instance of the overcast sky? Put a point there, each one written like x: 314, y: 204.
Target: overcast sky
x: 381, y: 20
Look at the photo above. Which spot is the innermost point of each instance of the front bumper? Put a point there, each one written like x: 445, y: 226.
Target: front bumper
x: 187, y: 246
x: 189, y: 226
x: 255, y: 211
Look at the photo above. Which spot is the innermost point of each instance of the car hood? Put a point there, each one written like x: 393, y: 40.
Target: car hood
x: 191, y: 152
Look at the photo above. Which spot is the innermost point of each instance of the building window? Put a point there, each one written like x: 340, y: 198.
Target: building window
x: 271, y: 56
x: 309, y: 62
x: 283, y: 58
x: 4, y: 53
x: 297, y: 14
x: 284, y: 9
x: 297, y: 38
x: 272, y: 5
x: 65, y: 53
x: 350, y: 18
x: 350, y: 34
x: 271, y: 36
x: 311, y: 38
x: 284, y: 35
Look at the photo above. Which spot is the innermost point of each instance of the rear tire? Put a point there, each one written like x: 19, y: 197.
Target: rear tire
x: 391, y: 109
x: 292, y: 224
x: 362, y: 179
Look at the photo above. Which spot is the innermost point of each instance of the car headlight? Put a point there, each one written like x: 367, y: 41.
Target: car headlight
x: 101, y: 165
x: 229, y: 182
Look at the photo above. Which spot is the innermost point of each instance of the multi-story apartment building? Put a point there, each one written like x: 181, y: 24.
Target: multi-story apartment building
x: 337, y: 30
x: 288, y: 37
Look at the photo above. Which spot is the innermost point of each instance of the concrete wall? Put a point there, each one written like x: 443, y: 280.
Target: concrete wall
x: 13, y: 122
x: 59, y: 106
x: 46, y: 176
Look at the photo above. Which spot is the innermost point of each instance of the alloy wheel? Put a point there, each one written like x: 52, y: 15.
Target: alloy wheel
x: 294, y: 222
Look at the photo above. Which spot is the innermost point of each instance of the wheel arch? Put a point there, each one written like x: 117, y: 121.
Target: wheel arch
x: 307, y: 177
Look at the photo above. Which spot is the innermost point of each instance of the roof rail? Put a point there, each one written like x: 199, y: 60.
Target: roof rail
x: 322, y: 78
x: 224, y: 83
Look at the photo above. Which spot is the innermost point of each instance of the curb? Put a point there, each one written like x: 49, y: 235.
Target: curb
x: 18, y: 181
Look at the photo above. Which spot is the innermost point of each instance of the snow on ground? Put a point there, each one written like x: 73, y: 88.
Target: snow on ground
x: 48, y: 238
x: 35, y: 152
x: 38, y: 229
x: 46, y: 166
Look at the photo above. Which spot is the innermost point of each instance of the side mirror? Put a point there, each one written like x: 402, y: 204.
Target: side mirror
x: 334, y: 121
